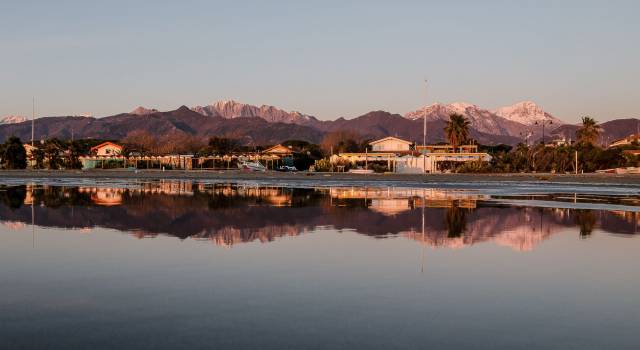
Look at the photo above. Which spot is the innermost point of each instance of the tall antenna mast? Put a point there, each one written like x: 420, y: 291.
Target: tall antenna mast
x: 424, y: 129
x: 33, y: 118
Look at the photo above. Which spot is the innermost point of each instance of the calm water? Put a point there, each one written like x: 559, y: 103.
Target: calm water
x: 187, y: 265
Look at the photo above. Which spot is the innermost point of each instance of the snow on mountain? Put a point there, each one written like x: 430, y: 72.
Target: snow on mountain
x: 527, y: 113
x: 232, y: 109
x: 143, y: 111
x: 480, y: 119
x: 13, y: 119
x: 511, y: 120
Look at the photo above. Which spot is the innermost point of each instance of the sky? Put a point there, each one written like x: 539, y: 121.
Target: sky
x: 326, y: 58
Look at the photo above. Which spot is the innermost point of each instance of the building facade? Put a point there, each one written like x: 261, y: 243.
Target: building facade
x: 391, y: 144
x: 107, y: 149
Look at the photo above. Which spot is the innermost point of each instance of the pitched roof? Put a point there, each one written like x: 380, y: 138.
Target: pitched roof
x: 277, y: 149
x: 389, y: 138
x: 106, y: 143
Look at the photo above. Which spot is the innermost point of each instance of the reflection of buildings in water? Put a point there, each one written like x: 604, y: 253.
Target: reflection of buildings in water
x: 13, y: 225
x: 277, y: 196
x: 628, y: 216
x: 521, y: 231
x: 229, y: 236
x: 28, y: 198
x: 390, y: 206
x: 391, y: 200
x: 104, y: 196
x: 229, y: 214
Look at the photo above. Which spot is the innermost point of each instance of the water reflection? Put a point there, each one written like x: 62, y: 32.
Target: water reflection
x: 228, y: 214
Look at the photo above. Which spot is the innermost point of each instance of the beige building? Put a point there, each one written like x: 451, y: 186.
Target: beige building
x: 107, y: 149
x: 625, y: 141
x: 278, y: 150
x: 391, y: 144
x: 31, y: 161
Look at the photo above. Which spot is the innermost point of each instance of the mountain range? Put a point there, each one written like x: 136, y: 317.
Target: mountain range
x: 264, y: 125
x: 12, y: 119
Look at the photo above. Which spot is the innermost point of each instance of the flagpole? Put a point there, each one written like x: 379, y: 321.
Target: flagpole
x: 424, y: 130
x: 33, y: 117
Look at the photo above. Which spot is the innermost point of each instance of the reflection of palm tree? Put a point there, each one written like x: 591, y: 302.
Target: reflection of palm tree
x: 456, y: 222
x: 586, y: 219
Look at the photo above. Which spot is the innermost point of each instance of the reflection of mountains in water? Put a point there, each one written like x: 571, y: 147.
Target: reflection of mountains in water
x: 230, y: 214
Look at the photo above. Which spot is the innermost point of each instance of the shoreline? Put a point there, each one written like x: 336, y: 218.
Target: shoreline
x: 270, y: 176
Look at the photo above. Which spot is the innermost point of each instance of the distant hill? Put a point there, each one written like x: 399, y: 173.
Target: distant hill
x: 611, y: 130
x: 380, y: 124
x: 251, y: 131
x: 268, y: 125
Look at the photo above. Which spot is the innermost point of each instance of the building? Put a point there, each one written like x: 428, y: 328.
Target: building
x: 625, y: 141
x: 400, y: 158
x: 31, y: 160
x: 447, y: 149
x: 559, y: 142
x: 278, y: 150
x: 633, y: 152
x: 390, y: 144
x: 107, y: 149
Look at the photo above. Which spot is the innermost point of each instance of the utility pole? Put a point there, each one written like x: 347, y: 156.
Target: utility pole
x: 33, y: 120
x: 543, y: 122
x: 576, y: 162
x: 424, y: 129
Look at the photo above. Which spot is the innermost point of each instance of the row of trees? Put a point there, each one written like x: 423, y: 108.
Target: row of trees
x: 541, y: 157
x: 51, y: 154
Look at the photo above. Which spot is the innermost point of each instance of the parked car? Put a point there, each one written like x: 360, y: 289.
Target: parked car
x: 287, y: 168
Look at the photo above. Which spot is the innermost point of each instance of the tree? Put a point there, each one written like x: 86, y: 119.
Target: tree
x: 52, y: 153
x: 73, y: 156
x: 305, y: 154
x: 457, y: 130
x: 589, y: 132
x: 223, y: 145
x: 14, y: 156
x: 342, y: 142
x: 39, y: 156
x: 141, y: 140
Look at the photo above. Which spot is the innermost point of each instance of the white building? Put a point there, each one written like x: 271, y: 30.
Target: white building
x: 400, y: 158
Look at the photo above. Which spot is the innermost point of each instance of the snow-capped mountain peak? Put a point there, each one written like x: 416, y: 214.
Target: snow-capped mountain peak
x: 13, y: 119
x: 526, y: 112
x: 143, y: 111
x: 232, y: 109
x: 461, y: 107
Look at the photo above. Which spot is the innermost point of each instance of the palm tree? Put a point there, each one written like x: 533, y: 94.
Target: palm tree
x: 589, y: 132
x: 457, y: 130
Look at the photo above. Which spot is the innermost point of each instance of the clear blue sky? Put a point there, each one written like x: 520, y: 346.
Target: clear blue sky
x: 325, y: 58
